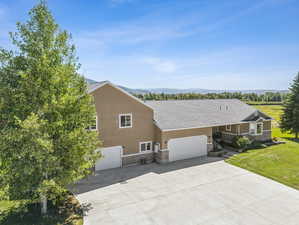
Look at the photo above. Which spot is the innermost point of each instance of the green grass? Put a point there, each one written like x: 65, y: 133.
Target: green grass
x: 278, y: 162
x: 24, y: 213
x: 263, y: 103
x: 272, y: 110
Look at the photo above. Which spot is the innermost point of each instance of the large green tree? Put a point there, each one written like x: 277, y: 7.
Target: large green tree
x: 44, y: 112
x: 290, y: 116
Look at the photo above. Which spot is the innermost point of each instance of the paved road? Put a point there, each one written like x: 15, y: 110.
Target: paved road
x: 190, y: 192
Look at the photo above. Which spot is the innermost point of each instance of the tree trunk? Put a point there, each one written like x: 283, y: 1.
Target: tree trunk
x: 44, y: 205
x: 44, y: 200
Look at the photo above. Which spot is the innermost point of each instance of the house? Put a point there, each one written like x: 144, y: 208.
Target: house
x: 134, y: 131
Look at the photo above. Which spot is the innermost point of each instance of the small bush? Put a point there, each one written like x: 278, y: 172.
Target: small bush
x: 217, y: 135
x: 241, y: 142
x: 257, y: 144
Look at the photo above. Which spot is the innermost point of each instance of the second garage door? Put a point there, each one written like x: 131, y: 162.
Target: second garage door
x: 187, y: 147
x: 111, y: 158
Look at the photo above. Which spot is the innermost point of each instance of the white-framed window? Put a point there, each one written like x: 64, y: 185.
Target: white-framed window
x: 145, y: 146
x: 125, y: 120
x: 256, y: 128
x: 259, y: 128
x: 228, y: 127
x: 94, y: 125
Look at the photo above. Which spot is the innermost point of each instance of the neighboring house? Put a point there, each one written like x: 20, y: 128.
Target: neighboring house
x: 134, y: 131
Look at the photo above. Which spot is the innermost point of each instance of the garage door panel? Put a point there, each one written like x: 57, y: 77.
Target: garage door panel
x: 187, y: 147
x: 111, y: 158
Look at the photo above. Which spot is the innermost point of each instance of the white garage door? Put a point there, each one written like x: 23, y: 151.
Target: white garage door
x: 188, y: 147
x: 111, y: 158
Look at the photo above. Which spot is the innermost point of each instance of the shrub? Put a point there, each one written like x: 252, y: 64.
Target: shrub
x: 217, y: 135
x: 257, y: 144
x: 241, y: 142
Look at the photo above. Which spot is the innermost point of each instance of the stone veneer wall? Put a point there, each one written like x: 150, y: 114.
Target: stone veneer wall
x: 266, y: 136
x: 210, y: 147
x: 136, y: 159
x: 162, y: 156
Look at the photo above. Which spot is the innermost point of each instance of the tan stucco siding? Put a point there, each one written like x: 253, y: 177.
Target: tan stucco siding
x: 267, y: 125
x: 244, y: 128
x: 110, y: 102
x: 167, y: 135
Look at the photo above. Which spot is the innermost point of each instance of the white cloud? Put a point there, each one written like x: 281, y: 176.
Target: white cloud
x: 159, y: 65
x: 132, y: 34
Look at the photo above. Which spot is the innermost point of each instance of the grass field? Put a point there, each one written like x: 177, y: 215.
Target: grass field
x: 272, y: 110
x: 279, y: 162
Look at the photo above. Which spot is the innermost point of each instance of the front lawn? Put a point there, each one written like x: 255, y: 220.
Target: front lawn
x: 22, y: 213
x: 278, y: 162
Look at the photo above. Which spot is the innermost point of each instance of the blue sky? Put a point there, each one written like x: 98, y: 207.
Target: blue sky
x: 212, y: 44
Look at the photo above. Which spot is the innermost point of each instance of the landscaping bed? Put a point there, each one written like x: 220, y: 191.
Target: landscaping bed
x: 24, y: 213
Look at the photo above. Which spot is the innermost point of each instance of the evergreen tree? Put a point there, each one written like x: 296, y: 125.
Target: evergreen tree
x: 44, y: 112
x: 290, y: 116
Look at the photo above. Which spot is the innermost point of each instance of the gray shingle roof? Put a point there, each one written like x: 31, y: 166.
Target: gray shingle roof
x: 179, y: 114
x: 93, y: 86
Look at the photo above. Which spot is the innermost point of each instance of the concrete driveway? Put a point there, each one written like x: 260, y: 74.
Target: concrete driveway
x: 190, y: 192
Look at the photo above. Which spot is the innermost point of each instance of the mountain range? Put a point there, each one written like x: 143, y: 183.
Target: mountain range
x: 188, y: 90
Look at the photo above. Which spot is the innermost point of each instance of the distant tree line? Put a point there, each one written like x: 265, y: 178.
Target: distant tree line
x: 248, y: 97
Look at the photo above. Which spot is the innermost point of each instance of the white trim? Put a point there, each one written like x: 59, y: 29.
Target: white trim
x: 146, y: 142
x: 210, y: 126
x: 118, y: 88
x: 228, y: 127
x: 255, y: 128
x: 158, y: 146
x: 97, y: 125
x: 125, y: 114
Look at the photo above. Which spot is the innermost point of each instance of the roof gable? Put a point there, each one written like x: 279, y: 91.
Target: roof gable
x: 257, y: 116
x: 92, y: 88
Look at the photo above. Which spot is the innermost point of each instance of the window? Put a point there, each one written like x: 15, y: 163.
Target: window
x: 125, y: 120
x: 94, y: 125
x: 145, y: 146
x: 256, y: 128
x: 252, y: 128
x: 259, y: 128
x: 228, y: 127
